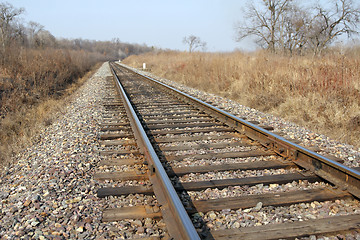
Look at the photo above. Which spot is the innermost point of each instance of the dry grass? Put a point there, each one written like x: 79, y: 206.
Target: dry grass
x: 19, y: 127
x: 34, y: 87
x: 321, y: 93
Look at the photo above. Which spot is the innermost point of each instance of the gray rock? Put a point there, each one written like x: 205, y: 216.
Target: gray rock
x: 4, y: 195
x: 258, y: 206
x: 36, y: 198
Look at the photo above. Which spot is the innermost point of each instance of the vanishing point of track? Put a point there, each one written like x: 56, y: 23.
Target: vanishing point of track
x: 170, y: 133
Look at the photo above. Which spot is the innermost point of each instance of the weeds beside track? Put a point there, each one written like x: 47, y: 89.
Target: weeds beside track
x: 189, y: 136
x: 320, y: 93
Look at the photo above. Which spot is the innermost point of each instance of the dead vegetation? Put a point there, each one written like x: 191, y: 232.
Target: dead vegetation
x: 37, y: 71
x: 27, y: 107
x: 33, y: 83
x: 321, y: 93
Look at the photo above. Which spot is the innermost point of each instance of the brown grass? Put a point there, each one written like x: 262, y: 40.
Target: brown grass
x: 321, y: 93
x: 33, y: 87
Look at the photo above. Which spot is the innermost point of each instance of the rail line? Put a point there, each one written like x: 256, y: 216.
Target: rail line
x: 186, y: 147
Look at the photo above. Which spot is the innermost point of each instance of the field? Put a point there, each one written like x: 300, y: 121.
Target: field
x: 320, y: 93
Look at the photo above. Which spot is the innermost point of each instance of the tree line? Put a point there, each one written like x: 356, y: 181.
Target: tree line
x: 291, y: 26
x: 14, y: 34
x: 35, y: 65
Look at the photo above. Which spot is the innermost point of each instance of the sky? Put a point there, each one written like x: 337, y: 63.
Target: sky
x: 157, y: 23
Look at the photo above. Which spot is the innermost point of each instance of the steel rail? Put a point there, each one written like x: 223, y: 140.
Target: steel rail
x: 332, y: 171
x: 174, y: 213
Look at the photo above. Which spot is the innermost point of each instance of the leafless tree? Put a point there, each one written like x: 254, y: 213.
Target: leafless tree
x: 8, y: 17
x: 33, y: 29
x: 293, y: 30
x: 14, y: 37
x: 44, y: 39
x: 284, y: 25
x: 327, y: 24
x: 194, y: 42
x: 263, y: 21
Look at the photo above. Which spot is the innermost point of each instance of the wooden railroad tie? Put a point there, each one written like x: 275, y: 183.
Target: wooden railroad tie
x: 291, y: 230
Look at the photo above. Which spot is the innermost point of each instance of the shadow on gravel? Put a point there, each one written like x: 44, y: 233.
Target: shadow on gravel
x: 198, y: 221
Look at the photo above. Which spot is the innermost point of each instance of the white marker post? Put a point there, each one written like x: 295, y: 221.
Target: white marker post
x: 144, y: 66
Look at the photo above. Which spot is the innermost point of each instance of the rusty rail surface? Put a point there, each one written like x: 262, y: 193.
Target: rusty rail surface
x: 176, y: 218
x: 332, y: 171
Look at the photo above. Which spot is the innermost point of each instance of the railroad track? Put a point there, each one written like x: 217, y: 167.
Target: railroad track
x: 216, y: 176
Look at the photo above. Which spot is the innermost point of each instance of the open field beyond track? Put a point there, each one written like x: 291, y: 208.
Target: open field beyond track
x: 320, y: 93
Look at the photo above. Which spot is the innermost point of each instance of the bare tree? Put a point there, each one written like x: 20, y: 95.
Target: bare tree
x: 194, y: 42
x: 33, y: 30
x: 341, y: 18
x: 284, y: 25
x: 44, y: 39
x: 8, y: 15
x: 293, y: 30
x: 263, y: 21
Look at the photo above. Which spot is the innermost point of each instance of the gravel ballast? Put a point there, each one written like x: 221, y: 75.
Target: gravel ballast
x: 348, y: 153
x: 227, y: 219
x: 50, y: 193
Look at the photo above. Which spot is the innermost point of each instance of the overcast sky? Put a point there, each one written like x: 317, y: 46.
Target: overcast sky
x: 156, y: 23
